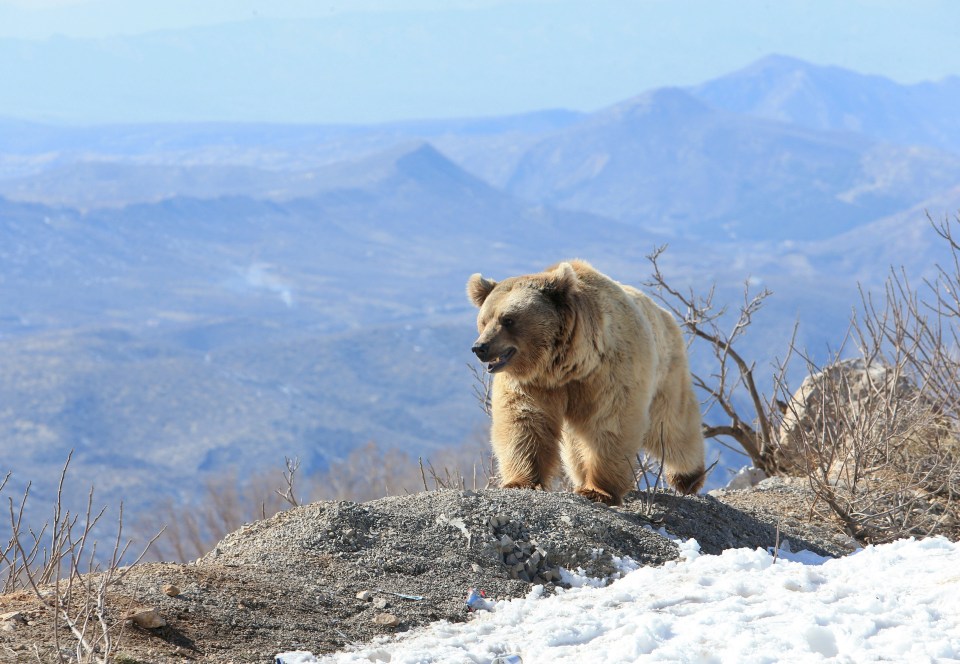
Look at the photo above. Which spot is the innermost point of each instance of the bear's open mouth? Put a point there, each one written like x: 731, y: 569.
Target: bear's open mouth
x: 499, y: 363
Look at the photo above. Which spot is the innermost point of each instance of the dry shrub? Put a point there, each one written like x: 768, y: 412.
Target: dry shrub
x: 60, y: 565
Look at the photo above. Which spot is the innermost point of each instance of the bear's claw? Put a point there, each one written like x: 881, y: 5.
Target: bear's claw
x: 598, y: 496
x: 523, y: 484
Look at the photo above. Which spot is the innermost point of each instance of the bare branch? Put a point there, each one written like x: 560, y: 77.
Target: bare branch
x: 734, y: 374
x: 482, y: 388
x: 289, y: 495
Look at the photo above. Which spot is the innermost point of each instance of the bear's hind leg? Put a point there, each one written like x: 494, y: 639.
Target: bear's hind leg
x: 675, y: 437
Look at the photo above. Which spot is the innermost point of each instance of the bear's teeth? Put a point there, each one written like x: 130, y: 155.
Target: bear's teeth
x: 500, y: 361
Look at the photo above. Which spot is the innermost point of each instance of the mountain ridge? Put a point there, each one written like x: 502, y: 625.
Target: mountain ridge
x: 738, y: 174
x: 833, y: 98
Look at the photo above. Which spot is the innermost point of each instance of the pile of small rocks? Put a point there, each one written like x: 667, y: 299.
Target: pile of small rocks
x: 524, y: 559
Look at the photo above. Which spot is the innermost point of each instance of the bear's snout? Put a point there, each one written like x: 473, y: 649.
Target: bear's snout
x: 481, y: 350
x: 495, y: 358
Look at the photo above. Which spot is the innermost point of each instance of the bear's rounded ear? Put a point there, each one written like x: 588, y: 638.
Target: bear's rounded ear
x: 479, y: 288
x: 561, y: 280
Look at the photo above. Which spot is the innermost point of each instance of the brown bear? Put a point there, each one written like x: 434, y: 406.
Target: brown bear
x: 588, y: 372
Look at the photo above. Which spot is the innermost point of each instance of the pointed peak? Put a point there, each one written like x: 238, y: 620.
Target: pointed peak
x: 423, y: 153
x: 412, y: 154
x: 780, y: 63
x: 425, y: 163
x: 416, y: 161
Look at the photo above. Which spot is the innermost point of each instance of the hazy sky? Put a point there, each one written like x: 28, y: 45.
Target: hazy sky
x: 532, y: 54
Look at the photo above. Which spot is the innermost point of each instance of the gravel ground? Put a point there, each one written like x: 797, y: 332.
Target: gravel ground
x: 329, y: 574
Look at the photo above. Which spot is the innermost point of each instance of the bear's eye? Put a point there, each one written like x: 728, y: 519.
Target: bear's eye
x: 506, y: 321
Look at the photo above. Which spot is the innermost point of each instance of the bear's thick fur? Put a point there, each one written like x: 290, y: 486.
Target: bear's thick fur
x: 587, y: 372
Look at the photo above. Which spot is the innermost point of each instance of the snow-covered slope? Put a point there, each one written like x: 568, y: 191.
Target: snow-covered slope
x: 894, y: 602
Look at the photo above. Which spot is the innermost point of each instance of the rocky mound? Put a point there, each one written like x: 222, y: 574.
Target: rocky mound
x: 326, y: 575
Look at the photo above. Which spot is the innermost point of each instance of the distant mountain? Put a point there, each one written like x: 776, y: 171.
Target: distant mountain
x: 97, y: 184
x: 666, y: 160
x: 76, y: 165
x: 830, y: 98
x: 782, y: 150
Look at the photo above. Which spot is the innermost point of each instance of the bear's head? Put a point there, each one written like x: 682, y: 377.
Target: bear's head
x: 521, y: 319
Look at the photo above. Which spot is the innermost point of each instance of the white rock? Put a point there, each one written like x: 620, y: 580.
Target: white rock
x: 746, y: 478
x: 146, y: 618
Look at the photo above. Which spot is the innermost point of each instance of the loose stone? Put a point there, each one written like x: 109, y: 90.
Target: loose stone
x: 386, y: 619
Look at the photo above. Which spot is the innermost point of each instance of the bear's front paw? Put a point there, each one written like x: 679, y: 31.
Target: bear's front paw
x: 521, y: 484
x: 598, y: 496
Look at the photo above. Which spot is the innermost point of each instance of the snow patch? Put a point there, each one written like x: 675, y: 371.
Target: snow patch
x: 897, y: 601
